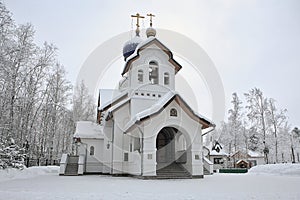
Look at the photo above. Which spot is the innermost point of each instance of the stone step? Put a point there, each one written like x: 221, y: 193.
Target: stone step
x: 73, y: 159
x: 173, y: 175
x: 71, y: 169
x: 173, y: 171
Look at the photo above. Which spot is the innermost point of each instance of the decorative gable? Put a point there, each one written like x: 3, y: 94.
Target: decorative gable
x: 145, y: 45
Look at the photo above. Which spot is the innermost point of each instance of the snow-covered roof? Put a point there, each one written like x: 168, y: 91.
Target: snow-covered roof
x: 220, y: 153
x: 160, y: 104
x: 239, y: 161
x: 144, y: 44
x: 153, y: 109
x: 87, y: 129
x: 248, y: 153
x: 109, y: 96
x: 255, y: 154
x: 116, y: 106
x: 214, y: 152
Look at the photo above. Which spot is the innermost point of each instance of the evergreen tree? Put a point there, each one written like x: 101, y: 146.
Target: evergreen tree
x: 12, y: 156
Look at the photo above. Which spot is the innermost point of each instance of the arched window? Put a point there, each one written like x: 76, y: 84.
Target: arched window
x: 140, y: 76
x: 92, y: 150
x: 153, y: 72
x: 166, y: 78
x: 173, y: 112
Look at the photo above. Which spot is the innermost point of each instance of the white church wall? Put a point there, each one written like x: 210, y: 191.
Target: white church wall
x: 134, y: 163
x: 152, y: 53
x: 126, y: 154
x: 107, y: 146
x: 117, y: 151
x: 139, y: 104
x: 171, y: 72
x: 93, y: 161
x: 180, y: 148
x: 196, y: 158
x: 126, y: 158
x: 149, y: 157
x: 121, y: 141
x: 145, y: 96
x: 134, y: 75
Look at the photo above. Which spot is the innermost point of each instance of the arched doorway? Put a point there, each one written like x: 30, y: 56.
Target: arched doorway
x: 171, y: 148
x: 165, y: 146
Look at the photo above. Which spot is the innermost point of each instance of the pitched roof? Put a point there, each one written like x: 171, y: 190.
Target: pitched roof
x: 216, y: 149
x: 241, y: 161
x: 156, y: 108
x: 87, y: 129
x: 143, y: 45
x: 110, y: 98
x: 249, y: 154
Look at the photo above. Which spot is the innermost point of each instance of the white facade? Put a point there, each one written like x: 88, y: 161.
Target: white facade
x: 146, y: 125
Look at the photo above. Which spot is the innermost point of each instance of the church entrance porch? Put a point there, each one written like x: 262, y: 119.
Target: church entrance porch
x: 170, y: 154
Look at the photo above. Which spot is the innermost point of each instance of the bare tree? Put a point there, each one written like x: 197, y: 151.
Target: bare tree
x: 295, y: 134
x: 235, y: 121
x: 257, y: 113
x: 276, y: 120
x: 84, y: 107
x: 34, y: 93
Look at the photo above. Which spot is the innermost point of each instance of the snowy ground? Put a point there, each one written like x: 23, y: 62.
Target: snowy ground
x: 264, y: 182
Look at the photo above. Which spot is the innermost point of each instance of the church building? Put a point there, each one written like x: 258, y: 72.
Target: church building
x: 144, y: 128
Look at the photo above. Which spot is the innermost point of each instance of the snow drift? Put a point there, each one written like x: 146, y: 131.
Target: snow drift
x: 277, y: 169
x: 12, y: 173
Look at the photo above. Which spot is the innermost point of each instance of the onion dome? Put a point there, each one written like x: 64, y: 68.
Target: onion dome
x: 130, y: 46
x: 150, y: 32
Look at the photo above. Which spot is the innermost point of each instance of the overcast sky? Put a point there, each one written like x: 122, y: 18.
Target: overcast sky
x: 253, y: 43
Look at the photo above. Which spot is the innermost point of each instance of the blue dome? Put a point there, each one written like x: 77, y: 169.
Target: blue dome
x: 130, y: 46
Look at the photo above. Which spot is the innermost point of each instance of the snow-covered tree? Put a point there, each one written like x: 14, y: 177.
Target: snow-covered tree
x: 34, y: 92
x: 235, y: 122
x: 295, y: 136
x: 276, y: 121
x: 84, y: 108
x: 265, y: 129
x: 12, y: 156
x: 257, y: 106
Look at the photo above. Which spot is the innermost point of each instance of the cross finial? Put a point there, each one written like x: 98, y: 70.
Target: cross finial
x: 138, y: 16
x: 150, y: 15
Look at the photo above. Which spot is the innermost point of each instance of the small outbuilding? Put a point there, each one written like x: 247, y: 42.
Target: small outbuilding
x: 217, y: 155
x: 252, y: 158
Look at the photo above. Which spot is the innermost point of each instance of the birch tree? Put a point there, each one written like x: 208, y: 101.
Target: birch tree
x: 34, y: 93
x: 257, y: 113
x: 235, y: 121
x: 276, y: 121
x: 84, y: 108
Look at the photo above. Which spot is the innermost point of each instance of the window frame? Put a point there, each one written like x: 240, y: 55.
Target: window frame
x: 140, y: 76
x: 173, y: 112
x: 92, y: 150
x: 153, y: 72
x: 166, y: 78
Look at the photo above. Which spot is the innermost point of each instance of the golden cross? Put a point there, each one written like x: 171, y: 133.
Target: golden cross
x: 151, y: 15
x: 138, y: 16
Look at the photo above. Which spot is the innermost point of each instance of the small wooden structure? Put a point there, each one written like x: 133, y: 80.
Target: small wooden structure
x: 242, y: 164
